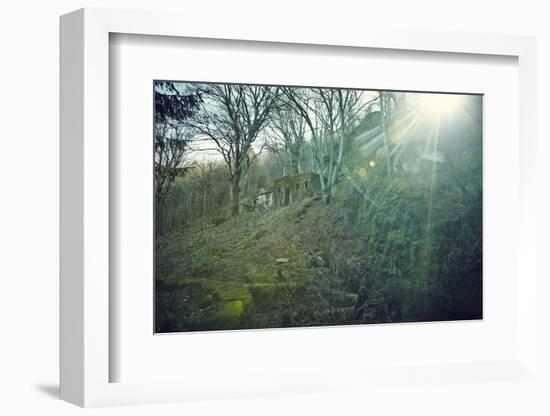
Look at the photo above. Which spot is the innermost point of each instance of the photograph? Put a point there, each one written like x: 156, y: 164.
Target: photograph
x: 280, y: 206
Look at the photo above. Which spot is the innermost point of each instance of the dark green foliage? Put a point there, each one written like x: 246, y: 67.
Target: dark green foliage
x: 422, y: 243
x: 171, y: 104
x: 181, y: 307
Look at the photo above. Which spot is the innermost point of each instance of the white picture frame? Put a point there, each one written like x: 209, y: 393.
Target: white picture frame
x: 85, y: 163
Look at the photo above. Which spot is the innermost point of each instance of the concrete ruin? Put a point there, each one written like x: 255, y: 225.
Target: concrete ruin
x: 282, y: 192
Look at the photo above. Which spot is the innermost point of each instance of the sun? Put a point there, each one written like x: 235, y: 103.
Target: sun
x: 438, y: 105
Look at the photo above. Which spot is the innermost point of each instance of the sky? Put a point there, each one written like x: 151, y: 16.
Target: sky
x: 205, y: 151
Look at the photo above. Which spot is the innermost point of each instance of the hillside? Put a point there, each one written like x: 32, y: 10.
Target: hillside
x: 396, y: 249
x: 250, y: 270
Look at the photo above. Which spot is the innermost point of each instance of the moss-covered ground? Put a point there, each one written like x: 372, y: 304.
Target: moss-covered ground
x: 246, y: 272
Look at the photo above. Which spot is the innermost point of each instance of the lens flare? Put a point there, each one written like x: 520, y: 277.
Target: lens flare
x: 438, y: 105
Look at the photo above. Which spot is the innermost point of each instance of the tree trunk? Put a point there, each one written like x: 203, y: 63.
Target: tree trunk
x: 235, y: 193
x: 385, y: 135
x: 338, y: 166
x: 204, y: 202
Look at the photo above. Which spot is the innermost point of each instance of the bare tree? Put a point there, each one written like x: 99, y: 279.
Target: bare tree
x: 232, y: 117
x: 330, y: 115
x: 288, y: 139
x: 388, y: 104
x: 172, y: 140
x: 302, y: 101
x: 171, y: 150
x: 204, y: 171
x: 341, y: 110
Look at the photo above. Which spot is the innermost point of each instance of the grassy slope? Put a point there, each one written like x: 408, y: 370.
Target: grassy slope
x: 229, y: 275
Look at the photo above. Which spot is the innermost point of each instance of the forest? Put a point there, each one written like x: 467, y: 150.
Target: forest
x: 280, y: 206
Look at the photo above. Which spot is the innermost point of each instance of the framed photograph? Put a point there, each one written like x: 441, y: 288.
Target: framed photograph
x: 283, y: 206
x: 281, y: 212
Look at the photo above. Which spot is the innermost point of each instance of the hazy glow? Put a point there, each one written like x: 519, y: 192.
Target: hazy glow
x: 438, y: 105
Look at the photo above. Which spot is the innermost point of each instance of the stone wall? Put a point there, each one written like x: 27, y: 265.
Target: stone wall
x: 283, y: 191
x: 288, y: 189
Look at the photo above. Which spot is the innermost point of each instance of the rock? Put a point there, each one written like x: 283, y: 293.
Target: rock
x: 314, y: 261
x: 320, y: 262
